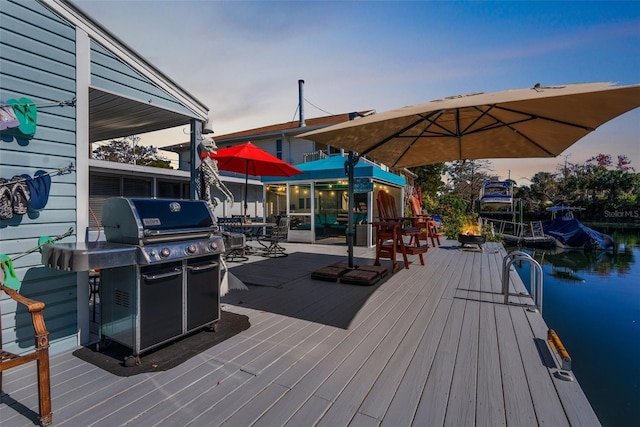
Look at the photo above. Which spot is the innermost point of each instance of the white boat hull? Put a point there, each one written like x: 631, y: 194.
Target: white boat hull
x: 495, y: 204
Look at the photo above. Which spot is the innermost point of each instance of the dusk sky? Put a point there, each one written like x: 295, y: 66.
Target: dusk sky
x: 244, y: 59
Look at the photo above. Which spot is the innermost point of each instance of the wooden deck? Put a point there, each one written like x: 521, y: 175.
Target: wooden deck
x: 432, y: 345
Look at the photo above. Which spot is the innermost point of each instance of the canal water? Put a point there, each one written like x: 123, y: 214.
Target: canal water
x: 592, y: 300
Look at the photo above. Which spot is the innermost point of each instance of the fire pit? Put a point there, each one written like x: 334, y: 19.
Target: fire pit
x: 471, y: 234
x: 471, y: 239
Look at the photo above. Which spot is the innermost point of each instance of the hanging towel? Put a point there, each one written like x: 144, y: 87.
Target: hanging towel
x: 229, y: 282
x: 8, y: 118
x: 39, y: 187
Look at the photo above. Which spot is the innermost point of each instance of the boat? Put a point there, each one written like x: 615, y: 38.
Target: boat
x: 570, y: 233
x: 496, y: 196
x: 515, y: 233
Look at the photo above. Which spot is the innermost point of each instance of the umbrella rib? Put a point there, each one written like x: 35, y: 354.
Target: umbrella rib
x: 431, y: 122
x: 510, y: 126
x: 398, y: 133
x: 549, y: 119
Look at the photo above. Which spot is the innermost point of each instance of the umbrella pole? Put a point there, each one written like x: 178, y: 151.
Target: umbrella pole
x: 349, y: 165
x: 246, y: 192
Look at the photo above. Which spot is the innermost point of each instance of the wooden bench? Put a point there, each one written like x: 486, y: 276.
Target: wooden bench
x: 40, y: 354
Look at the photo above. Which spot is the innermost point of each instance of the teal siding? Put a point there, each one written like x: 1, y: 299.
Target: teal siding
x: 37, y: 61
x: 112, y: 75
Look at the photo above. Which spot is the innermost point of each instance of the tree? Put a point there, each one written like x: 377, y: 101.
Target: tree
x: 600, y: 160
x: 544, y: 187
x: 466, y: 178
x: 429, y: 178
x: 601, y: 185
x: 624, y: 164
x: 127, y: 150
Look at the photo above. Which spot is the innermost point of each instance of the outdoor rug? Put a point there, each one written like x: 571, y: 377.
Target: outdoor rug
x: 112, y: 357
x: 275, y: 272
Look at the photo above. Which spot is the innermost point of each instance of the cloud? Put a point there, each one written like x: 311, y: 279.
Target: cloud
x: 243, y: 59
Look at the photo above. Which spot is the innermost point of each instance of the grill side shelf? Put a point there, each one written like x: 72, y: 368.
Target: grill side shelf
x: 88, y: 256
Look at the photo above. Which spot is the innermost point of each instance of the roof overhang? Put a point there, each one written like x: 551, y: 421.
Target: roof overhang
x: 104, y: 167
x: 113, y: 116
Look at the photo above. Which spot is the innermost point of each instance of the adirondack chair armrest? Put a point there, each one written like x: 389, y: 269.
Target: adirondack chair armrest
x: 423, y: 217
x: 385, y: 223
x: 34, y: 307
x: 396, y: 219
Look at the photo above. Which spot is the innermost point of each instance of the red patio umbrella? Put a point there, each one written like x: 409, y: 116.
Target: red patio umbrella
x: 252, y: 160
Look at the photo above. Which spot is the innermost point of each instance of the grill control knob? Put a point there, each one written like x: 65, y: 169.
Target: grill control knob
x: 213, y: 246
x: 191, y: 249
x: 165, y: 252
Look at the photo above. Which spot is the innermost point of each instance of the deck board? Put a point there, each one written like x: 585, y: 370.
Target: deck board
x: 430, y: 345
x: 346, y: 404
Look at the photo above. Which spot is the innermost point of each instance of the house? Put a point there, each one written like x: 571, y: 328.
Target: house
x: 279, y: 140
x: 85, y: 85
x: 321, y: 216
x: 318, y: 199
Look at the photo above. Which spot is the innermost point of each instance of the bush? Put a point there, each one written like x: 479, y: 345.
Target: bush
x: 452, y: 224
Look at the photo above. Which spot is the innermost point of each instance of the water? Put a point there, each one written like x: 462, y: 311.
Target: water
x: 592, y: 300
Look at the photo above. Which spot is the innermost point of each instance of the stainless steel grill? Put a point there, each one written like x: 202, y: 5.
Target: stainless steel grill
x: 159, y: 269
x: 162, y: 229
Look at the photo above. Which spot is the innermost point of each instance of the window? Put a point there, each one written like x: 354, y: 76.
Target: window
x: 104, y: 187
x: 276, y: 201
x: 136, y: 187
x: 279, y: 148
x: 169, y: 190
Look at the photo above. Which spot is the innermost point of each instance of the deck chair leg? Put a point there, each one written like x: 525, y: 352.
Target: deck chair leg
x: 44, y: 388
x: 42, y: 364
x: 404, y: 252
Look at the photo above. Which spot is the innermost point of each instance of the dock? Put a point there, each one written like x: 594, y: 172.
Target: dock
x: 431, y: 345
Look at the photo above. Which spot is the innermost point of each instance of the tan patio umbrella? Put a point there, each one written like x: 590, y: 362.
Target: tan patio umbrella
x: 541, y: 121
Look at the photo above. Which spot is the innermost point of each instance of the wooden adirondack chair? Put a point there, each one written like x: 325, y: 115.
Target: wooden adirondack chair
x: 390, y: 233
x: 428, y: 227
x: 40, y: 354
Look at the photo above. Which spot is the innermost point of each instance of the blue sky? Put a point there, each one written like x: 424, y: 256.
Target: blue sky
x: 243, y: 59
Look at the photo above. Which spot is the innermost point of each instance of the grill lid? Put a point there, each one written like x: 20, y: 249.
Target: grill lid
x: 132, y: 220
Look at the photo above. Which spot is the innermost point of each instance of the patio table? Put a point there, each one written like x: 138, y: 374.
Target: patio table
x: 253, y: 231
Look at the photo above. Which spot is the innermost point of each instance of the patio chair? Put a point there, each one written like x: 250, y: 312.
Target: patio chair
x: 429, y: 228
x: 390, y: 232
x: 233, y: 225
x: 271, y: 241
x: 40, y: 354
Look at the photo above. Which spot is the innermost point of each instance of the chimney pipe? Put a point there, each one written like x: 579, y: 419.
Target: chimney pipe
x: 301, y: 102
